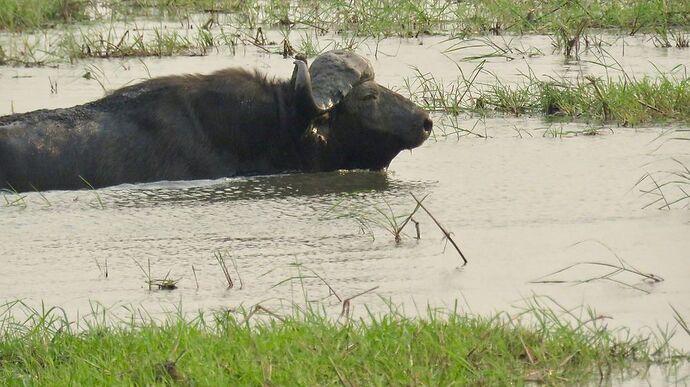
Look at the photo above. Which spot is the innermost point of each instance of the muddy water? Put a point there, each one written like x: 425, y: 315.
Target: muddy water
x: 522, y: 203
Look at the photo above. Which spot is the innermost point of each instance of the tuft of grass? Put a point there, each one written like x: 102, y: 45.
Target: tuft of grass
x: 626, y: 101
x: 613, y: 272
x: 568, y: 37
x: 107, y: 41
x: 305, y: 347
x: 373, y: 216
x: 165, y: 283
x: 669, y: 189
x: 668, y: 38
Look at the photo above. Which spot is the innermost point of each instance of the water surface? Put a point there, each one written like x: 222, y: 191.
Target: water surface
x: 522, y: 203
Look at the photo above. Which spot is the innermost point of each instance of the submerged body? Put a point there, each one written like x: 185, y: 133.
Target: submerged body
x: 232, y: 122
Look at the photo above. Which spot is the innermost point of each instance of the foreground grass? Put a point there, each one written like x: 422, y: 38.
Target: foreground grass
x: 310, y: 349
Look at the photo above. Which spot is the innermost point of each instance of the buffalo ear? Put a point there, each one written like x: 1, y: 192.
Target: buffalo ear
x: 301, y: 82
x: 319, y: 128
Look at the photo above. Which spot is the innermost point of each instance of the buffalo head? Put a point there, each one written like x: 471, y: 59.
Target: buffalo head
x: 359, y: 123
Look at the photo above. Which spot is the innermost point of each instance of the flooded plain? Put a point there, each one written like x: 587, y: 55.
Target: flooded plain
x: 531, y: 198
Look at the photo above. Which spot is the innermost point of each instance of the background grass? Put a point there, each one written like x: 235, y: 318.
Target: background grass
x: 372, y: 17
x: 20, y: 15
x: 624, y: 101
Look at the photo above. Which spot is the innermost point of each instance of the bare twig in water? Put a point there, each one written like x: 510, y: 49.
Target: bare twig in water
x: 221, y: 261
x: 237, y: 271
x: 195, y: 279
x: 445, y: 232
x: 416, y: 227
x: 409, y: 218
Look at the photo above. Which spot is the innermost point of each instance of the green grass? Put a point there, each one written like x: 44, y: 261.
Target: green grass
x: 109, y: 42
x: 306, y: 348
x: 20, y: 15
x: 530, y: 16
x: 669, y: 188
x: 376, y: 18
x: 567, y: 22
x: 625, y: 101
x: 379, y: 18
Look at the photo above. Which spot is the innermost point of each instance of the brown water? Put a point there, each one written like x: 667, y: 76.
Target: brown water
x: 521, y: 204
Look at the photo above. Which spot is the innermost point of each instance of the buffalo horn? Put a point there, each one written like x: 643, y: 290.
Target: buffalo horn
x: 303, y: 88
x: 333, y: 75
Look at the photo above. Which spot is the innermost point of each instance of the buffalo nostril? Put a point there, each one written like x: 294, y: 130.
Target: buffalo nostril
x: 428, y: 124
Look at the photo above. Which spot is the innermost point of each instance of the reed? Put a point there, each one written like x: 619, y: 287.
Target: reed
x: 668, y: 188
x: 625, y: 101
x: 94, y: 191
x: 220, y: 258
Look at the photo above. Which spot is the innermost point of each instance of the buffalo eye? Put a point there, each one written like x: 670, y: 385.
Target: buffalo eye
x: 369, y: 96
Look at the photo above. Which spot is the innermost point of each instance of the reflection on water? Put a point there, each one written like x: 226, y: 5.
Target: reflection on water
x: 253, y: 188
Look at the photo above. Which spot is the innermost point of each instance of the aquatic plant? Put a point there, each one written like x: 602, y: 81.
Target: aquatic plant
x: 669, y: 188
x: 13, y: 198
x: 165, y: 283
x: 626, y: 101
x: 613, y: 270
x: 109, y: 43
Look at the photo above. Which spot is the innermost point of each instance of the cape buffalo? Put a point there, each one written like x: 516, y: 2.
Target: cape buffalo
x: 330, y: 116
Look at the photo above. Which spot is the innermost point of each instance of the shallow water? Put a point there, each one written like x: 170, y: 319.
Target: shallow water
x: 521, y: 204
